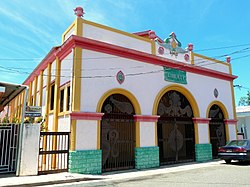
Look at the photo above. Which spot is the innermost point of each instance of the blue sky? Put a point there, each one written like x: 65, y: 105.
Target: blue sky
x: 29, y: 29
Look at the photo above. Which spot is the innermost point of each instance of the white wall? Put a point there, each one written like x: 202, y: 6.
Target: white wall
x: 66, y: 69
x: 232, y: 132
x: 108, y: 36
x: 209, y: 64
x: 64, y: 124
x: 147, y: 134
x: 204, y: 137
x: 29, y: 150
x: 146, y: 86
x: 86, y: 135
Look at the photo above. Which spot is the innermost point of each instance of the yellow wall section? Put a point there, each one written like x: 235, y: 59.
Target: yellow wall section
x: 76, y: 93
x: 56, y: 94
x: 40, y: 99
x: 47, y: 96
x: 35, y: 90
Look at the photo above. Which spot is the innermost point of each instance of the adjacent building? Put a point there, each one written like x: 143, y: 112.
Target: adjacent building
x: 132, y: 100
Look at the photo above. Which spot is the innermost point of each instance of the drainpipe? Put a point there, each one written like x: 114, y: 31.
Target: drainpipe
x: 20, y: 139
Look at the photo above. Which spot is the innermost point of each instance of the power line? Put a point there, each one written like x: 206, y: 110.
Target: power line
x: 225, y: 47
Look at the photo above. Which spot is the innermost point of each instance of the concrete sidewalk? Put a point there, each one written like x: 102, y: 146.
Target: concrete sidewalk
x: 72, y: 179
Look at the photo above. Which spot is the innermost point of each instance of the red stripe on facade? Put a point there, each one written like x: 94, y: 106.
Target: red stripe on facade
x: 230, y: 121
x: 201, y: 120
x: 141, y: 118
x: 86, y: 116
x: 90, y: 44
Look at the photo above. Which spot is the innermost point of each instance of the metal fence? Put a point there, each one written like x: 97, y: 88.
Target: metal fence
x: 53, y: 152
x: 8, y: 147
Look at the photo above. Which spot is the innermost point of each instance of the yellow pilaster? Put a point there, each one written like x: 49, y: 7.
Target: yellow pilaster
x: 192, y: 57
x: 156, y: 134
x: 196, y: 133
x: 40, y: 98
x: 56, y: 94
x: 22, y: 104
x: 153, y: 47
x: 137, y: 132
x: 79, y: 26
x: 47, y: 96
x: 98, y: 135
x: 35, y: 90
x: 30, y: 94
x: 76, y: 93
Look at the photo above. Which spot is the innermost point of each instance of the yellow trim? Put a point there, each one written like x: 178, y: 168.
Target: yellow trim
x: 56, y: 94
x: 192, y: 57
x: 67, y: 31
x: 225, y: 113
x: 196, y: 133
x: 40, y: 99
x: 153, y: 47
x: 137, y: 134
x: 79, y: 26
x: 76, y: 97
x: 211, y: 59
x: 76, y: 93
x: 115, y: 30
x: 136, y: 106
x: 73, y: 135
x: 98, y: 135
x: 47, y: 105
x: 222, y: 107
x: 156, y: 135
x: 233, y: 100
x: 188, y: 96
x: 30, y: 94
x: 183, y: 91
x: 35, y: 90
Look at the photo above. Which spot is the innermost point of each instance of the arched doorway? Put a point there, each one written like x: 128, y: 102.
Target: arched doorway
x: 117, y: 133
x: 175, y: 129
x: 217, y: 129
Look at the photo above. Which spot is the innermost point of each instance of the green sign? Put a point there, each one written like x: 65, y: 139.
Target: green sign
x: 175, y: 75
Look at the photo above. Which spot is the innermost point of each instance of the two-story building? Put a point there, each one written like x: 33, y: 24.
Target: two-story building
x: 132, y: 100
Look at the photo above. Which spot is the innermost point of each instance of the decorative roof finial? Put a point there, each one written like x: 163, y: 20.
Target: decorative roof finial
x: 151, y: 35
x: 190, y: 47
x: 228, y: 58
x: 79, y: 12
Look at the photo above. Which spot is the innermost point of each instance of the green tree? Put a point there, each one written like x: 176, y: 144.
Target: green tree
x: 245, y: 101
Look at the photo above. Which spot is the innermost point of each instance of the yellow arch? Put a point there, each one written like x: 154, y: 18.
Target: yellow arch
x: 183, y: 91
x: 222, y: 107
x: 136, y: 106
x: 121, y: 91
x: 225, y: 113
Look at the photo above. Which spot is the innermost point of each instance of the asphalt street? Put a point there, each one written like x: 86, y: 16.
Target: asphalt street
x: 215, y: 174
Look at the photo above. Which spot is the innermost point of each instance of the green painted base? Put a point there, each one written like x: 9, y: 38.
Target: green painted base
x: 85, y: 162
x: 146, y: 157
x: 203, y: 152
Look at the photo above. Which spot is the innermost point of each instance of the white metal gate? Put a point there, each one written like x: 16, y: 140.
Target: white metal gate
x: 8, y: 147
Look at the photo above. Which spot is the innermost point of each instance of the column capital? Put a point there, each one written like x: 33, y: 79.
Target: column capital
x: 146, y: 118
x: 201, y: 120
x: 86, y: 115
x: 230, y: 121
